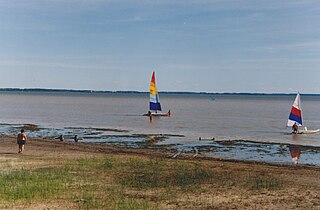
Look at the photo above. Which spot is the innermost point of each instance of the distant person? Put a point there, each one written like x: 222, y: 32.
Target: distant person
x: 61, y: 138
x: 149, y: 114
x: 295, y: 128
x: 21, y: 140
x: 76, y: 139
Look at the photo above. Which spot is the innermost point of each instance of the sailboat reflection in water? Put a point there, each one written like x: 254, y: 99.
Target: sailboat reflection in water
x: 295, y: 152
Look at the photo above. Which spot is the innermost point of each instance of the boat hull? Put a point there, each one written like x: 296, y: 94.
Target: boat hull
x: 160, y: 114
x: 307, y: 131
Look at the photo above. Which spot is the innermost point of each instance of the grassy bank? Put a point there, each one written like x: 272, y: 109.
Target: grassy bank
x: 116, y: 182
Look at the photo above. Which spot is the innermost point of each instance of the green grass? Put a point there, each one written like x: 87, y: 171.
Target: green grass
x: 28, y: 185
x: 259, y: 183
x: 121, y: 183
x: 159, y: 173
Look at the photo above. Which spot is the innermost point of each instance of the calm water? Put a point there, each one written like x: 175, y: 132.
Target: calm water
x: 260, y: 118
x: 237, y: 118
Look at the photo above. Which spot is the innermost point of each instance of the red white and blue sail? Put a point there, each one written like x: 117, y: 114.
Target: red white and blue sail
x: 154, y: 96
x: 296, y: 113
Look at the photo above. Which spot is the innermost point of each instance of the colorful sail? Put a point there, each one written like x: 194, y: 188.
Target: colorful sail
x: 154, y: 96
x: 296, y: 113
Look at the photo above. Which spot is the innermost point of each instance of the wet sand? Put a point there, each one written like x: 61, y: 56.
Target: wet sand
x: 300, y: 184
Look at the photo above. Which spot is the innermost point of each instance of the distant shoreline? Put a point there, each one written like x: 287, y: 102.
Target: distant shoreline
x: 47, y: 90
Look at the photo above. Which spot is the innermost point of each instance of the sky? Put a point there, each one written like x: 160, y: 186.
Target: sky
x: 267, y: 46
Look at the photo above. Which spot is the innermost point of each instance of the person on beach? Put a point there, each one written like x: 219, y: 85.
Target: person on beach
x: 61, y: 138
x: 21, y: 140
x: 295, y: 128
x: 76, y: 138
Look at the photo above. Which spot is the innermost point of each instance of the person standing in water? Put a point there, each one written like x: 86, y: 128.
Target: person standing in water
x: 21, y: 140
x: 295, y: 128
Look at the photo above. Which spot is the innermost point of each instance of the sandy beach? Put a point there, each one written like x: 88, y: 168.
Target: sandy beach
x: 226, y: 184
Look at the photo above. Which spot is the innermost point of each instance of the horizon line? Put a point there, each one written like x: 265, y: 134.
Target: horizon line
x: 144, y: 92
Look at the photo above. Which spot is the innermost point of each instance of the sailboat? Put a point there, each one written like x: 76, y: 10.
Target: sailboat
x: 155, y: 106
x: 295, y: 117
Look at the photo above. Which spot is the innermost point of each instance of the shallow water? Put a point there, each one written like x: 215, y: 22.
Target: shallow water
x: 229, y: 149
x: 249, y: 151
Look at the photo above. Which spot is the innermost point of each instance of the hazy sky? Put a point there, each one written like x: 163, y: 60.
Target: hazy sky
x: 193, y: 45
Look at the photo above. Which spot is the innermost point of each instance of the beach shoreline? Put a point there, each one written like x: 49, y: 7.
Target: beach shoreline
x: 235, y: 150
x: 150, y: 150
x: 298, y: 188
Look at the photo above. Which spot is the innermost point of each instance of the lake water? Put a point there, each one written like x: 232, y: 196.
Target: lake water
x: 257, y: 118
x: 260, y: 118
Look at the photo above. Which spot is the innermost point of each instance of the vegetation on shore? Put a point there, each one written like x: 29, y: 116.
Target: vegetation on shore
x: 55, y: 175
x: 122, y: 182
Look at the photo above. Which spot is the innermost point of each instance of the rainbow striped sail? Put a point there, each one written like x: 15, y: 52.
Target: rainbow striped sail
x: 154, y: 96
x: 296, y: 113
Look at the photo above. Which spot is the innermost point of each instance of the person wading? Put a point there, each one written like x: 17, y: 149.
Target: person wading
x: 295, y: 128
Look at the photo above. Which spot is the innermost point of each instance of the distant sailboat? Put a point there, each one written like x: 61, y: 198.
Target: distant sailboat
x: 155, y: 105
x: 295, y: 117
